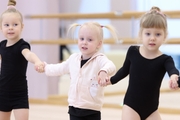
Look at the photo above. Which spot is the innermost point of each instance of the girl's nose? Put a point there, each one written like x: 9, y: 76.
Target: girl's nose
x: 153, y: 38
x: 10, y: 27
x: 85, y: 42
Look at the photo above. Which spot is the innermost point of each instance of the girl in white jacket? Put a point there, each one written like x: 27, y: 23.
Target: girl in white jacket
x: 85, y: 96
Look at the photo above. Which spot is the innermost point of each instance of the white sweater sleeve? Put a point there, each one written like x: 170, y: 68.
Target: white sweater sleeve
x: 107, y: 65
x: 56, y: 69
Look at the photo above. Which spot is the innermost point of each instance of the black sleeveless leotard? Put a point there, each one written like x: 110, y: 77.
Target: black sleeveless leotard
x: 145, y: 77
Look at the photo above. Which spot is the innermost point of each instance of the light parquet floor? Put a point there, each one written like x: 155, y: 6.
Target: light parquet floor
x: 55, y: 107
x: 111, y: 110
x: 59, y: 112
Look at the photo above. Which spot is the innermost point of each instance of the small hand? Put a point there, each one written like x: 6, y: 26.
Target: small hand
x: 173, y: 84
x: 103, y: 78
x: 39, y: 67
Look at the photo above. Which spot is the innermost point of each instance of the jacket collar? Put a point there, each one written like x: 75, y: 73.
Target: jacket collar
x: 94, y: 56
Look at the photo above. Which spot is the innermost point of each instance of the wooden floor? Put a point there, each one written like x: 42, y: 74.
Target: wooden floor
x: 59, y: 112
x: 56, y: 106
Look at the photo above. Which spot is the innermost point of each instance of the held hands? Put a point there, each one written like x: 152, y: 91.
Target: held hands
x: 39, y: 66
x: 103, y: 79
x: 173, y: 84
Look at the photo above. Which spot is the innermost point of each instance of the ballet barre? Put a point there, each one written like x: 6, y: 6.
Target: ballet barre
x: 108, y: 15
x: 106, y: 41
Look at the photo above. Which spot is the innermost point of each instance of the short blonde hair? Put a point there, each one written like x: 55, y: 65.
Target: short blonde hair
x: 153, y: 19
x: 11, y: 9
x: 95, y: 26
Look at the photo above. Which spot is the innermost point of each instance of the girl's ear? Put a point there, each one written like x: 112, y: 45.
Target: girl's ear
x: 22, y: 25
x: 100, y: 44
x: 166, y: 34
x: 139, y: 34
x: 140, y: 37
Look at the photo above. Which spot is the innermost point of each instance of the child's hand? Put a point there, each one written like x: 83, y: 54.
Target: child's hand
x: 108, y: 82
x: 173, y: 84
x: 39, y: 67
x: 103, y: 78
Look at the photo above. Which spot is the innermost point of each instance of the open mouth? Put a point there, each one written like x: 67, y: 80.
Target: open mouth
x: 84, y: 48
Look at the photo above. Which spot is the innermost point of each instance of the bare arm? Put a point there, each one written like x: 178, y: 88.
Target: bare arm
x: 33, y: 58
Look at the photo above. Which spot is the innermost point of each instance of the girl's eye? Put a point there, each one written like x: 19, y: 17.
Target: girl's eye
x: 6, y: 25
x: 15, y: 24
x: 81, y: 38
x: 89, y: 40
x: 158, y: 34
x: 147, y: 34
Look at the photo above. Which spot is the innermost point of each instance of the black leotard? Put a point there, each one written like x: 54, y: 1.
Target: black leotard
x: 145, y: 77
x: 13, y: 83
x: 13, y: 66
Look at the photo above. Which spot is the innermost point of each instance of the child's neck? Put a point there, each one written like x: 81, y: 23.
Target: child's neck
x: 11, y: 42
x: 85, y: 58
x: 149, y: 54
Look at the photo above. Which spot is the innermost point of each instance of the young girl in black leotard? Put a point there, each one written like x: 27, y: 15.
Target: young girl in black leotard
x: 146, y: 66
x: 14, y: 56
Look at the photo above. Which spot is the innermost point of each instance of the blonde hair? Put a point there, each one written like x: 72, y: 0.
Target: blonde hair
x: 11, y: 9
x: 153, y: 19
x: 95, y: 26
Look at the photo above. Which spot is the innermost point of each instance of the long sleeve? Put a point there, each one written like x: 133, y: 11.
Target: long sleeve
x: 123, y: 71
x: 107, y: 65
x: 179, y: 82
x: 57, y: 69
x: 170, y: 67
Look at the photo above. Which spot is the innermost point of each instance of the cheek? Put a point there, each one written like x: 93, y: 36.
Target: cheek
x: 79, y: 43
x: 3, y: 30
x: 99, y: 43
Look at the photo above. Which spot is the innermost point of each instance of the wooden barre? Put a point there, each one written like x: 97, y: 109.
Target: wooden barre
x: 70, y: 41
x: 110, y: 15
x: 106, y: 41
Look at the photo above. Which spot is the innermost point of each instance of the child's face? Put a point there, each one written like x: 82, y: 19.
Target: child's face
x: 11, y: 26
x: 152, y: 38
x: 88, y: 42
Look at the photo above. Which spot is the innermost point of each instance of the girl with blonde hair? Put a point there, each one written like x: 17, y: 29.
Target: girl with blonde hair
x: 85, y: 96
x: 14, y: 55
